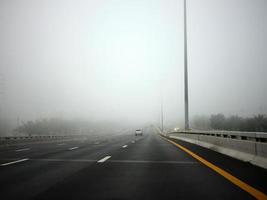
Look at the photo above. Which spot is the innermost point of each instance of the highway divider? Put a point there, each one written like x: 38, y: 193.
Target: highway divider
x: 22, y: 139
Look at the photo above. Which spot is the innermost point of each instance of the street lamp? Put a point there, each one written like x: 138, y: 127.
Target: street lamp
x: 185, y: 71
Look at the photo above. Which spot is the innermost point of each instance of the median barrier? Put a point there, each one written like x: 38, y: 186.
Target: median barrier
x: 21, y: 139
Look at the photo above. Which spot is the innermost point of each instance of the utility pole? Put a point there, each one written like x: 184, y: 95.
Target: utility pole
x: 185, y: 71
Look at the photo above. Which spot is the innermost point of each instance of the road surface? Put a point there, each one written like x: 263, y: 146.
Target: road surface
x: 124, y: 167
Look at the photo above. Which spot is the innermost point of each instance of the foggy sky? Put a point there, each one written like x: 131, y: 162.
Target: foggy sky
x: 110, y: 59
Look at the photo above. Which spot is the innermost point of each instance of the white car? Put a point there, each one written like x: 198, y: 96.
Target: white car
x: 138, y: 132
x: 176, y: 129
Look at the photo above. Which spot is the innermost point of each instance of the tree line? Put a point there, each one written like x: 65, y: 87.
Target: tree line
x: 56, y: 126
x: 257, y: 123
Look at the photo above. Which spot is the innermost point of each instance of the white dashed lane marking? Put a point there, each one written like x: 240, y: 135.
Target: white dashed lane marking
x: 14, y: 162
x: 26, y: 149
x: 124, y: 146
x: 73, y: 148
x: 104, y: 159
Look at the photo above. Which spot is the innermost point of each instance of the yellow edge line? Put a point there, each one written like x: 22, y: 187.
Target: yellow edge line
x: 251, y: 190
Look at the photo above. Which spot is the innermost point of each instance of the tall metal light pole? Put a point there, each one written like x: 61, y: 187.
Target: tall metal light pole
x: 185, y: 71
x: 161, y: 111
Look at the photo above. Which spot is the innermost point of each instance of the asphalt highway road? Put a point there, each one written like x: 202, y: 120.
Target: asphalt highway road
x: 124, y: 167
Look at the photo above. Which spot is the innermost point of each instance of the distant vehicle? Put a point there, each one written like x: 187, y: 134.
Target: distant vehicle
x: 138, y: 132
x: 176, y: 129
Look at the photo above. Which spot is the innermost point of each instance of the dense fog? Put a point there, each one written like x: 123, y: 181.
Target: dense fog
x: 113, y: 61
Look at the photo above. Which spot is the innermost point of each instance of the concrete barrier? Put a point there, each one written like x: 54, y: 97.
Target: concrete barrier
x: 246, y: 146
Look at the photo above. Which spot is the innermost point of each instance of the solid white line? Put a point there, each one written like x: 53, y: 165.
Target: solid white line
x: 73, y: 148
x: 22, y: 149
x: 61, y: 144
x: 104, y: 159
x: 13, y: 162
x: 124, y: 146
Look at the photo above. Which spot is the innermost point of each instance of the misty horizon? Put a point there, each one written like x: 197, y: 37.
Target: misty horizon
x: 111, y: 60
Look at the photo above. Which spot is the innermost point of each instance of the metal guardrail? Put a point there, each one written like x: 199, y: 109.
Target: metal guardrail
x: 27, y: 137
x: 238, y: 135
x: 8, y: 138
x: 15, y: 140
